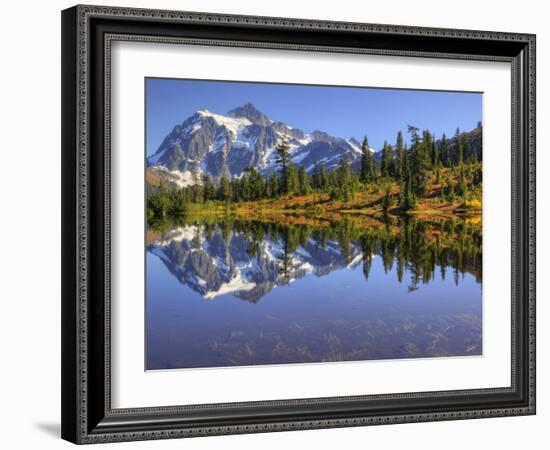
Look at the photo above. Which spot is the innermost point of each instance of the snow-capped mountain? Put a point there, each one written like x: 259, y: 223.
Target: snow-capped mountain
x: 215, y: 144
x: 220, y: 264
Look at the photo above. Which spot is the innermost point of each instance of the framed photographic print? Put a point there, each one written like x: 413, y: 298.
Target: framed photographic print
x: 278, y: 224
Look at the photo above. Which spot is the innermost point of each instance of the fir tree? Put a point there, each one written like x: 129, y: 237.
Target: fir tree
x: 344, y: 171
x: 427, y: 140
x: 420, y: 162
x: 224, y: 189
x: 303, y: 179
x: 367, y: 163
x: 386, y: 162
x: 235, y: 190
x: 270, y: 187
x: 255, y: 183
x: 410, y: 197
x: 283, y: 159
x: 444, y: 151
x: 344, y: 178
x: 323, y: 177
x: 315, y: 177
x: 436, y: 162
x: 472, y: 153
x: 459, y: 148
x: 292, y: 181
x: 478, y: 175
x: 208, y: 188
x: 461, y: 187
x: 244, y: 188
x: 160, y: 202
x: 401, y: 156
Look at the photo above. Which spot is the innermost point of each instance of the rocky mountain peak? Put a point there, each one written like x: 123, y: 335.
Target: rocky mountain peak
x: 209, y: 143
x: 323, y: 136
x: 250, y: 112
x: 354, y: 141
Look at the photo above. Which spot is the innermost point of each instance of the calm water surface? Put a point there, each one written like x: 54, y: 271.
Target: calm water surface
x: 232, y: 294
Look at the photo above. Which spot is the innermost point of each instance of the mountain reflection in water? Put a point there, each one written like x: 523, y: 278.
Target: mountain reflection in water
x: 242, y: 293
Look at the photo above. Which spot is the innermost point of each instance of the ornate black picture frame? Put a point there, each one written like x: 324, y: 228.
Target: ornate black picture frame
x: 87, y: 34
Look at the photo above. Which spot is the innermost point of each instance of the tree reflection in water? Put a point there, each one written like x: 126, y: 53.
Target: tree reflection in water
x: 233, y: 292
x: 417, y: 247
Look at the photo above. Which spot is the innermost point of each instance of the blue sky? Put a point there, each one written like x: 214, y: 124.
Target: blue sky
x: 341, y: 111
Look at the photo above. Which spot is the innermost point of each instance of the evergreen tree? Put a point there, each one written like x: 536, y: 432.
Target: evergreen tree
x: 235, y: 190
x: 303, y: 180
x: 386, y: 161
x: 444, y: 151
x: 367, y: 163
x: 245, y: 190
x: 208, y: 188
x: 410, y: 197
x: 390, y: 163
x: 450, y: 190
x: 436, y: 162
x: 401, y: 156
x: 478, y: 175
x: 344, y: 171
x: 224, y: 189
x: 473, y: 156
x: 427, y: 140
x: 420, y: 162
x: 315, y: 177
x: 459, y: 142
x: 332, y: 179
x: 479, y: 156
x: 255, y: 183
x: 283, y: 159
x: 461, y: 187
x: 292, y: 180
x: 178, y: 202
x: 471, y: 152
x: 159, y: 203
x: 272, y: 186
x: 344, y: 178
x: 383, y: 167
x: 323, y: 177
x: 437, y: 169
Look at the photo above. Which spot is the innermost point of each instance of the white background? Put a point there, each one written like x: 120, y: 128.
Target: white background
x: 30, y: 226
x: 133, y: 387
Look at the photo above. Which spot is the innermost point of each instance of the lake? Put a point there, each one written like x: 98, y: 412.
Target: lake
x: 240, y: 293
